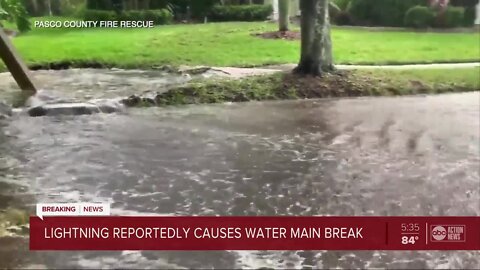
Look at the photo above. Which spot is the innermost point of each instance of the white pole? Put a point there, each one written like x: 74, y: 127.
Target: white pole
x: 275, y: 10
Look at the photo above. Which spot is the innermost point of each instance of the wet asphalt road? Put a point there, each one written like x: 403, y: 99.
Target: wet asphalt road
x: 368, y: 156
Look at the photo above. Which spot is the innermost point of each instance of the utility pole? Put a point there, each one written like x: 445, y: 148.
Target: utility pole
x: 15, y: 65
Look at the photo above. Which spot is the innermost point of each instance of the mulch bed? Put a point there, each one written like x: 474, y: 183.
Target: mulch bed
x: 67, y: 65
x: 287, y: 35
x: 337, y: 84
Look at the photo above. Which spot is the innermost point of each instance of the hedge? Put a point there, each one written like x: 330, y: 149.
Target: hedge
x: 469, y: 16
x: 161, y: 16
x: 470, y: 10
x: 240, y: 13
x: 342, y: 4
x: 342, y: 18
x: 464, y: 3
x: 99, y: 15
x: 99, y: 5
x: 419, y: 17
x: 452, y: 17
x: 381, y: 12
x: 200, y: 9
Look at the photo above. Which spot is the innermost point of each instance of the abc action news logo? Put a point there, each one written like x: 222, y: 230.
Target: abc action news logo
x: 448, y: 233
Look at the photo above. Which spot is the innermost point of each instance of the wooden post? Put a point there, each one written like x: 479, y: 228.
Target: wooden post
x: 15, y: 65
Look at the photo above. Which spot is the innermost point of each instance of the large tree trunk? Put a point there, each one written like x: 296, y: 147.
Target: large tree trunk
x: 316, y: 49
x: 284, y: 15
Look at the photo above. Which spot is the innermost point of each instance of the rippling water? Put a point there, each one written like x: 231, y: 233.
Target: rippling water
x: 369, y: 156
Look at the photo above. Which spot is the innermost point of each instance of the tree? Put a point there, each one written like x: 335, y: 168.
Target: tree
x: 316, y: 44
x: 283, y: 15
x: 32, y: 7
x: 14, y: 11
x: 49, y: 7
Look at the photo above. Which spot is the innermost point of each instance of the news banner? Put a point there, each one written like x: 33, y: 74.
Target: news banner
x: 89, y: 226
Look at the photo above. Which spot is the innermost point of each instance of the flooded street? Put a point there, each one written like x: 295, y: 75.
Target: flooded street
x: 362, y: 157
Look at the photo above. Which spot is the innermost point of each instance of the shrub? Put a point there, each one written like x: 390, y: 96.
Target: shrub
x: 160, y: 16
x: 453, y: 17
x: 381, y: 12
x: 342, y: 4
x: 99, y: 4
x: 240, y: 13
x: 470, y: 10
x: 469, y: 16
x: 76, y: 12
x: 200, y: 9
x: 419, y: 17
x: 14, y: 11
x: 179, y: 8
x: 99, y: 15
x: 464, y: 3
x: 334, y: 10
x: 343, y: 18
x: 131, y: 15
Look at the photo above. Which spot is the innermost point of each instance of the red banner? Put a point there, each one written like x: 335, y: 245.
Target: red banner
x: 255, y: 233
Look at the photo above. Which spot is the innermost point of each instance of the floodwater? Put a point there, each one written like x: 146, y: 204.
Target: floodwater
x: 368, y: 156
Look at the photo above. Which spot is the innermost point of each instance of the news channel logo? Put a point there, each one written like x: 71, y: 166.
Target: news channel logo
x: 448, y: 233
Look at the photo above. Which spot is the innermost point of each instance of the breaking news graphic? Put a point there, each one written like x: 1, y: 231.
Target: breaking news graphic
x: 91, y: 228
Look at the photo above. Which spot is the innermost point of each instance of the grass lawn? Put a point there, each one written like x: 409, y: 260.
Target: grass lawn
x: 231, y: 44
x: 344, y: 84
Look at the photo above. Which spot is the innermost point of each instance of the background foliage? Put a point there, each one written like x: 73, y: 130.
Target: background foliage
x: 14, y: 11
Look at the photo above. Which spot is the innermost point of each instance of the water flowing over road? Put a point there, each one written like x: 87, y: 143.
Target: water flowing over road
x: 367, y: 156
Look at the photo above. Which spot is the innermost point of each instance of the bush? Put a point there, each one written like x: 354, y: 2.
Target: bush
x: 77, y: 11
x: 240, y: 13
x: 464, y: 3
x: 334, y: 10
x: 343, y: 18
x: 342, y: 4
x: 130, y: 15
x: 14, y: 11
x: 200, y: 9
x: 452, y: 17
x: 381, y: 12
x: 161, y: 16
x: 469, y: 16
x: 470, y: 10
x: 99, y: 15
x: 419, y: 17
x: 99, y: 4
x: 179, y: 8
